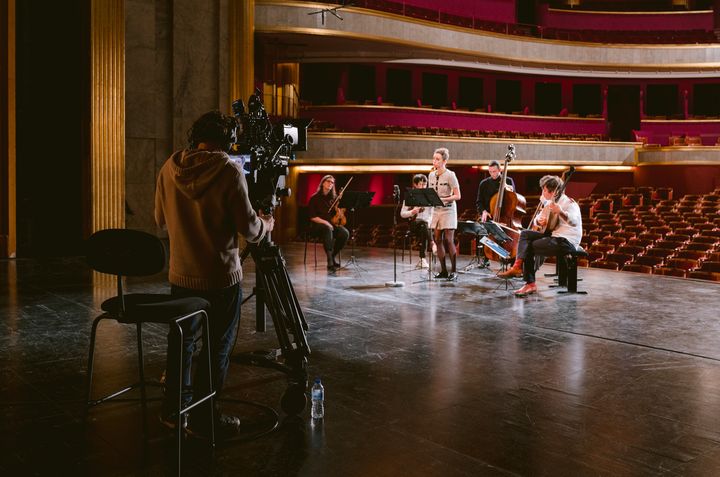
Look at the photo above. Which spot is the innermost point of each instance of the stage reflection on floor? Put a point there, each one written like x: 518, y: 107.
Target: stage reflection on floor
x: 432, y: 378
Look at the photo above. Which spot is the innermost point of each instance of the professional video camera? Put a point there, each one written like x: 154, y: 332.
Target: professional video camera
x: 267, y: 149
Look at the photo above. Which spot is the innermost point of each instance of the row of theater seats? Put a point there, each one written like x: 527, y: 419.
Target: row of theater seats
x: 455, y: 132
x: 679, y: 140
x: 650, y: 232
x: 620, y: 36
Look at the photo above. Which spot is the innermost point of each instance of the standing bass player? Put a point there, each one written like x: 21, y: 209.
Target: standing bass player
x: 557, y: 228
x: 320, y: 211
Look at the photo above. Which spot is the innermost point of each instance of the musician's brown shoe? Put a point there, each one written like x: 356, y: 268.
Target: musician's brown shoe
x: 511, y: 272
x: 528, y: 289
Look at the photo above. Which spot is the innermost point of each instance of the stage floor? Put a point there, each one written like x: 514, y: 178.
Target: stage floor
x: 441, y: 378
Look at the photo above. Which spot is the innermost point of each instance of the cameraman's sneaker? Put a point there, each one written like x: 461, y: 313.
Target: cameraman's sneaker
x: 423, y: 263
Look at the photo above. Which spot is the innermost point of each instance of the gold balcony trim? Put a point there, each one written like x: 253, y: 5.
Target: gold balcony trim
x: 450, y: 111
x: 497, y: 59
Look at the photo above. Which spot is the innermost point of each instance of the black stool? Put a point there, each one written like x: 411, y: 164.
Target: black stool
x: 123, y: 252
x: 567, y: 270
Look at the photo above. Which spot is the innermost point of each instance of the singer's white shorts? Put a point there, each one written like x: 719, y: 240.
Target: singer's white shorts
x: 444, y: 218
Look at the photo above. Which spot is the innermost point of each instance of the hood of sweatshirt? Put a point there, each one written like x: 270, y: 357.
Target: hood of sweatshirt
x: 193, y: 171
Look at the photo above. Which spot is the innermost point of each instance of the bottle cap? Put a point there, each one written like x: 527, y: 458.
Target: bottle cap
x: 317, y: 380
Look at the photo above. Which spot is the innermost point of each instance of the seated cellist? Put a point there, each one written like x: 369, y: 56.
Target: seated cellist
x: 564, y: 236
x: 333, y: 237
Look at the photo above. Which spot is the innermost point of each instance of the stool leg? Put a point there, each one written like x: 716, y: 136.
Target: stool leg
x: 91, y: 360
x: 211, y: 391
x: 305, y: 254
x: 141, y: 367
x: 562, y: 264
x: 571, y: 274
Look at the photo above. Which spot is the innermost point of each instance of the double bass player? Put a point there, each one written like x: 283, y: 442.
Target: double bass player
x: 564, y: 236
x: 488, y: 188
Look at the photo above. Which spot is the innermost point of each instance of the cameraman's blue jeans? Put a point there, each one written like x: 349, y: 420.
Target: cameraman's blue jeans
x: 223, y: 315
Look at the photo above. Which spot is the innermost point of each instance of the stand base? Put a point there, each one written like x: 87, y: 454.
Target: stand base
x: 394, y: 284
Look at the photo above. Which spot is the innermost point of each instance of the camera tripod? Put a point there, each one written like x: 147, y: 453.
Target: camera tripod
x: 274, y: 290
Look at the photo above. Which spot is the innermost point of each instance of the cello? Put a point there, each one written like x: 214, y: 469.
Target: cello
x: 508, y: 206
x: 337, y: 217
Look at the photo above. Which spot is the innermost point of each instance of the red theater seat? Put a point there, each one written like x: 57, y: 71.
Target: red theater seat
x: 686, y: 264
x: 674, y: 272
x: 634, y: 267
x: 604, y: 264
x: 703, y: 275
x: 649, y: 261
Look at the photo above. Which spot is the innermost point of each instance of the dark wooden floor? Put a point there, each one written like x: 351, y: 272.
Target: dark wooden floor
x: 446, y: 379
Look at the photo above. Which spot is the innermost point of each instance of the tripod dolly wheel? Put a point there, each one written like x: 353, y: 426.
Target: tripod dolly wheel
x: 294, y: 400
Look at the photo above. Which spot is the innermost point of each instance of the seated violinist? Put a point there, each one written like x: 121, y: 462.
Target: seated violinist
x: 421, y: 220
x: 333, y: 237
x: 560, y: 219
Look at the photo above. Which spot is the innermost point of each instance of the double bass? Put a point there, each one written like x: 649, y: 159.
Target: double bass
x: 337, y: 214
x: 508, y: 206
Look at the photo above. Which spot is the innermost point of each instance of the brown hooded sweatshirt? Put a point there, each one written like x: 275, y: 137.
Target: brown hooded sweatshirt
x: 201, y: 197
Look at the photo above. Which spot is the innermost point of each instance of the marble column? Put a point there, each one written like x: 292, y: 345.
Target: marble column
x: 241, y: 32
x: 8, y: 244
x: 106, y: 188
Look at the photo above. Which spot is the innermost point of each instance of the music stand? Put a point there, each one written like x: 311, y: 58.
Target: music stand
x: 352, y: 200
x: 502, y: 253
x: 424, y: 198
x: 479, y: 230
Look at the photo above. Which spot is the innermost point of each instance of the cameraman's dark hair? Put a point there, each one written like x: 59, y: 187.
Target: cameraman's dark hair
x: 214, y: 128
x: 418, y: 178
x: 551, y: 183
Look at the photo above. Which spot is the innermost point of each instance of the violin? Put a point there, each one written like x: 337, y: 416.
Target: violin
x: 338, y: 218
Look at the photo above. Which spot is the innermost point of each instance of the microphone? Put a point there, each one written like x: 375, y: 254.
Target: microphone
x: 396, y: 192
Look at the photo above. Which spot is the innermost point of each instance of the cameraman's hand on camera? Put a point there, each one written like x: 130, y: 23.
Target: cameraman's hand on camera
x: 268, y: 221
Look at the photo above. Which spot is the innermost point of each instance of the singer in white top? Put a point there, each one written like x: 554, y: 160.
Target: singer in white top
x: 421, y: 221
x: 444, y: 219
x: 555, y: 239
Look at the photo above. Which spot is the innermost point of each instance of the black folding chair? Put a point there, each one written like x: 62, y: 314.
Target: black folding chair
x: 123, y: 253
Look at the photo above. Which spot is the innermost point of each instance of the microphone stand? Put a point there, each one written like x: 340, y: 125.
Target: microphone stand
x: 396, y: 197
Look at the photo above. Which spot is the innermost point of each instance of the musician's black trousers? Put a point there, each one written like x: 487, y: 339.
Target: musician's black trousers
x: 420, y: 229
x: 536, y: 243
x: 333, y: 240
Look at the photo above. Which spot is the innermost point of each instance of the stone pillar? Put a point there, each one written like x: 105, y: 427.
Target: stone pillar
x: 8, y: 236
x: 106, y: 175
x: 241, y: 32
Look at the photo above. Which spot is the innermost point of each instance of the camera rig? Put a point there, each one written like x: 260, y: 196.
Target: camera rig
x: 266, y: 149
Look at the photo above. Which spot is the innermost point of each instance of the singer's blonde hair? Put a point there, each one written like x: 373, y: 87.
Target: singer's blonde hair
x: 444, y: 153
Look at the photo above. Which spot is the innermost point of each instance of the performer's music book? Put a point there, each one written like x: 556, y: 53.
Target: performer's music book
x: 471, y: 227
x: 489, y: 243
x: 353, y: 199
x: 422, y: 198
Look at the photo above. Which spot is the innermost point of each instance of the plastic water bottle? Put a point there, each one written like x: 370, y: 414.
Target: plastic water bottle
x: 318, y: 400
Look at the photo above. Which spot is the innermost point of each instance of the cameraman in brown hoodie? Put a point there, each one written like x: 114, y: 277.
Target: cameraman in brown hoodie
x: 202, y: 200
